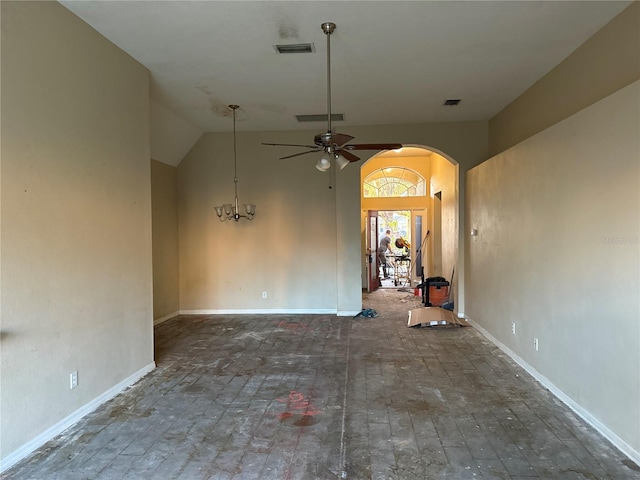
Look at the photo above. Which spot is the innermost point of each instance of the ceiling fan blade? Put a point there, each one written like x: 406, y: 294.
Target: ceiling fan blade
x: 373, y: 146
x: 348, y: 155
x: 340, y: 138
x: 289, y: 145
x: 301, y: 153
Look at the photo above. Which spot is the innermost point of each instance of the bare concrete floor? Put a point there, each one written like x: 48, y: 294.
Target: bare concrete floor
x: 324, y: 397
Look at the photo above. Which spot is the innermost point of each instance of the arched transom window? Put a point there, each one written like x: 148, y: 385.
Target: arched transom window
x: 394, y: 182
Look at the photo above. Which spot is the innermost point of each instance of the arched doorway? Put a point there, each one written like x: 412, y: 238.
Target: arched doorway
x: 420, y: 185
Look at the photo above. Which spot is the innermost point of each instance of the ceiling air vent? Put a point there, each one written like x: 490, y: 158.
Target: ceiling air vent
x: 295, y: 48
x: 451, y: 102
x: 321, y: 117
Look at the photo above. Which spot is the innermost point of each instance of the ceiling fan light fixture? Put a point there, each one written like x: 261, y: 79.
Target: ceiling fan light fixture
x: 341, y: 162
x: 323, y: 164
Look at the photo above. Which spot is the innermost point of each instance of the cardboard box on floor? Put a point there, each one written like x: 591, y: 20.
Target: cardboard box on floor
x: 435, y: 317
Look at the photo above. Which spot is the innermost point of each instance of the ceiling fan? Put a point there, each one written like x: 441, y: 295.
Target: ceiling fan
x: 334, y: 145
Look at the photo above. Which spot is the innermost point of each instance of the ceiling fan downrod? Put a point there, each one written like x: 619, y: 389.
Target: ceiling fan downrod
x: 328, y: 28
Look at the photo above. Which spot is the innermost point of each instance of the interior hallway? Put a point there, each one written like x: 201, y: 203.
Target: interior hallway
x: 325, y: 397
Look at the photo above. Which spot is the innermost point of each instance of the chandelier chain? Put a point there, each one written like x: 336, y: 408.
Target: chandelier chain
x: 228, y: 211
x: 235, y: 156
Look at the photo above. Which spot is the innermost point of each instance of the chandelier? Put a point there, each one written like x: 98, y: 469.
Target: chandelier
x: 228, y: 211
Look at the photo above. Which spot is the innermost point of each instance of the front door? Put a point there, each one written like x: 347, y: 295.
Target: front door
x: 373, y: 269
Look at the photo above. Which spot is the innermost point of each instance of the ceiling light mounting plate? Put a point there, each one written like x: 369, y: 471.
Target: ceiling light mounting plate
x: 328, y: 27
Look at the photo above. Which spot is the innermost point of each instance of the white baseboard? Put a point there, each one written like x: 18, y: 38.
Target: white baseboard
x: 339, y: 313
x: 160, y: 320
x: 619, y: 443
x: 70, y: 420
x: 261, y: 311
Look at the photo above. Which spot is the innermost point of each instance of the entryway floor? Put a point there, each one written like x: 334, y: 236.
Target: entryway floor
x: 323, y: 397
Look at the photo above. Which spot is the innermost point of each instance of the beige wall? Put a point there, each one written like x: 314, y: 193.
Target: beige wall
x: 303, y: 247
x: 164, y: 189
x: 558, y: 234
x: 444, y: 179
x: 287, y: 250
x: 557, y: 252
x: 76, y: 222
x: 606, y: 62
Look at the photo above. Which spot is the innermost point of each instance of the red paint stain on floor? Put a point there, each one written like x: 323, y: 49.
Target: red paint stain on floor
x: 298, y: 403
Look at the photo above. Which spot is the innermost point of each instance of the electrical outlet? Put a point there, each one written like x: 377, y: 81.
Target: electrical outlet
x: 73, y: 379
x: 535, y: 344
x: 264, y: 294
x: 513, y: 328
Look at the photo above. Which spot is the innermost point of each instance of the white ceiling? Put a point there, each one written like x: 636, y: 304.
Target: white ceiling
x: 393, y: 62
